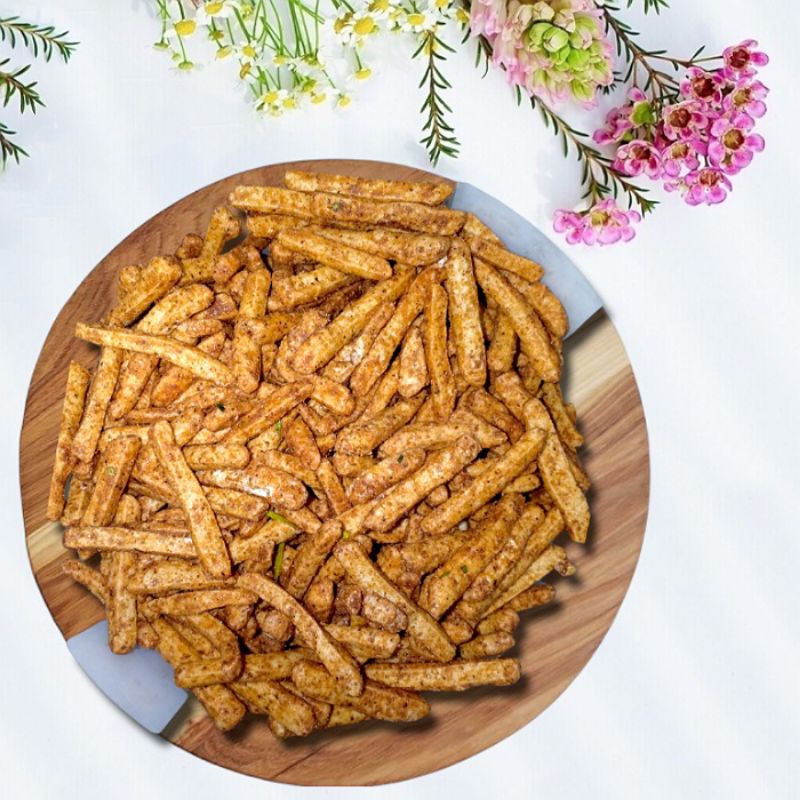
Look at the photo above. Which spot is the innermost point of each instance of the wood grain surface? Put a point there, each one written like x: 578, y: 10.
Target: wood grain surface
x: 553, y: 644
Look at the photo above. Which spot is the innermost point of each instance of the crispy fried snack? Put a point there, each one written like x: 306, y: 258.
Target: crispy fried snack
x: 323, y: 468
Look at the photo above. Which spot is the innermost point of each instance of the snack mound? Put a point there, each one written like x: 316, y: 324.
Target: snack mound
x: 323, y: 484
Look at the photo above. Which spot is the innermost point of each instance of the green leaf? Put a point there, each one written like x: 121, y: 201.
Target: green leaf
x: 278, y: 563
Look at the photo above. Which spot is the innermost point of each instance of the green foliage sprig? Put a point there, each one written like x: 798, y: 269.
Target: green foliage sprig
x: 42, y: 41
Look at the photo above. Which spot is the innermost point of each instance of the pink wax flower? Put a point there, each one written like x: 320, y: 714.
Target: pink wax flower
x: 732, y: 145
x: 707, y: 88
x: 621, y: 120
x: 638, y: 157
x: 742, y: 59
x: 487, y: 17
x: 679, y: 156
x: 684, y: 120
x: 707, y: 185
x: 604, y: 223
x: 748, y: 97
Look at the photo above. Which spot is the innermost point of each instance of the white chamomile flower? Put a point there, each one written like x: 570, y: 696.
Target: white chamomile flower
x: 417, y: 21
x: 343, y: 99
x: 216, y: 10
x: 362, y: 26
x: 380, y: 9
x: 180, y: 28
x: 276, y: 101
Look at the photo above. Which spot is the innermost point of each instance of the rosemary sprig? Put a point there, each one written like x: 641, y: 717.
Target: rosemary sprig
x: 11, y: 85
x: 440, y: 139
x: 9, y: 149
x: 40, y: 38
x: 651, y: 5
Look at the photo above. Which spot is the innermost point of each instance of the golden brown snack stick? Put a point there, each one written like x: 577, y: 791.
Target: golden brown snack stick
x: 268, y: 412
x: 271, y: 200
x: 443, y: 386
x: 84, y: 442
x: 272, y: 666
x: 441, y: 467
x: 322, y: 346
x: 222, y: 227
x: 568, y: 433
x: 365, y: 642
x: 182, y: 355
x: 329, y: 253
x: 420, y: 624
x: 309, y: 558
x: 488, y: 484
x: 253, y: 304
x: 426, y: 192
x: 443, y: 588
x: 291, y: 291
x: 335, y: 659
x: 538, y: 595
x: 453, y: 677
x: 113, y: 471
x: 208, y: 671
x: 272, y: 485
x: 465, y: 314
x: 416, y: 249
x: 493, y: 411
x: 509, y: 388
x: 154, y: 281
x: 220, y: 702
x: 91, y: 578
x: 270, y: 225
x: 129, y: 539
x: 544, y: 303
x: 362, y: 438
x: 344, y: 715
x: 71, y: 412
x: 206, y: 534
x: 503, y: 345
x: 486, y: 645
x: 269, y: 697
x: 301, y: 443
x: 432, y: 435
x: 126, y: 280
x: 376, y: 701
x: 376, y: 361
x: 246, y: 361
x: 172, y: 575
x: 394, y: 213
x: 382, y: 474
x: 498, y: 256
x: 560, y: 483
x: 533, y: 338
x: 234, y: 503
x: 217, y: 456
x: 121, y: 605
x: 475, y: 227
x: 504, y: 620
x: 196, y: 602
x: 332, y: 487
x: 413, y: 376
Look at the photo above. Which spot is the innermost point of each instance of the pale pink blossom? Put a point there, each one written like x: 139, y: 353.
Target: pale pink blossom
x: 679, y: 156
x: 638, y: 157
x: 742, y: 59
x: 487, y: 17
x: 747, y: 97
x: 685, y: 120
x: 604, y: 223
x: 707, y: 185
x: 732, y: 144
x: 706, y: 87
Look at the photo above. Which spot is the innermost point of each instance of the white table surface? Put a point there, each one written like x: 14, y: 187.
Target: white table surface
x: 694, y: 691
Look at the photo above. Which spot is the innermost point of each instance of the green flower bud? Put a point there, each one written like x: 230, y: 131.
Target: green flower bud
x: 554, y: 39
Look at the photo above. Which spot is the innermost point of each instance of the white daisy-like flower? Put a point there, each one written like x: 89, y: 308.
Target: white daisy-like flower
x: 418, y: 21
x: 216, y: 10
x: 182, y: 28
x: 380, y: 9
x: 277, y: 101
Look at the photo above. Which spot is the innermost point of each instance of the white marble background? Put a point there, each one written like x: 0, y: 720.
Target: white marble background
x: 694, y: 691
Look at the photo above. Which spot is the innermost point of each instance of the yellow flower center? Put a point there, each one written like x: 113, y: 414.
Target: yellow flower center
x: 224, y: 52
x: 270, y: 97
x: 248, y: 51
x: 186, y: 27
x: 343, y: 101
x: 462, y: 16
x: 379, y: 5
x: 363, y: 74
x: 213, y: 8
x: 185, y: 65
x: 290, y: 102
x: 279, y: 61
x: 364, y: 26
x: 416, y: 19
x: 244, y: 71
x: 442, y: 3
x: 316, y: 99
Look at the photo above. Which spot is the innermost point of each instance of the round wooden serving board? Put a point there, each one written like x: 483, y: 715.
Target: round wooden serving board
x: 553, y: 644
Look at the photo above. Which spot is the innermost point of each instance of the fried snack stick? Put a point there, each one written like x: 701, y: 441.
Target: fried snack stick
x: 443, y: 385
x: 362, y: 438
x: 259, y: 480
x: 220, y: 702
x: 182, y: 355
x: 113, y: 471
x: 393, y: 213
x: 137, y: 368
x: 217, y: 456
x: 153, y: 282
x: 84, y: 443
x: 330, y: 253
x: 71, y: 412
x: 544, y: 303
x: 533, y: 337
x: 366, y: 575
x: 121, y: 605
x: 282, y: 706
x: 92, y: 579
x: 440, y: 468
x: 465, y: 318
x: 498, y: 256
x: 432, y: 435
x: 443, y: 588
x: 376, y: 701
x: 453, y: 677
x: 461, y: 505
x: 272, y: 666
x: 268, y: 412
x: 416, y: 249
x: 272, y: 200
x: 426, y: 192
x: 365, y: 642
x: 123, y: 539
x: 374, y: 364
x: 222, y: 227
x: 557, y: 475
x: 335, y: 659
x: 309, y: 558
x: 322, y: 346
x: 370, y: 482
x: 172, y: 575
x: 290, y: 291
x: 206, y: 534
x: 196, y: 602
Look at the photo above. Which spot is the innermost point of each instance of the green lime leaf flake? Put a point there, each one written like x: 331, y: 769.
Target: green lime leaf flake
x: 221, y: 406
x: 346, y: 534
x: 278, y: 517
x: 464, y: 568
